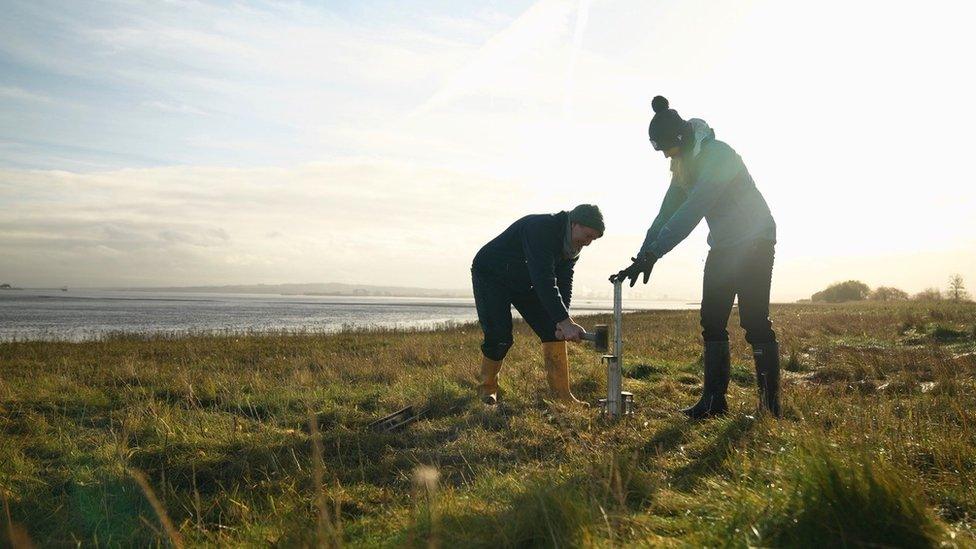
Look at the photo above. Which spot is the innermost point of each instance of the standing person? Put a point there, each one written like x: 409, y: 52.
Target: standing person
x: 530, y: 266
x: 710, y: 180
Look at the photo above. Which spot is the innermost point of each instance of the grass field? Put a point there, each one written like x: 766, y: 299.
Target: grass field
x: 262, y: 439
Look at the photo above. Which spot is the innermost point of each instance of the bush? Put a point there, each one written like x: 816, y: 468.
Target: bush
x: 836, y: 503
x: 852, y: 290
x: 928, y: 294
x: 887, y: 293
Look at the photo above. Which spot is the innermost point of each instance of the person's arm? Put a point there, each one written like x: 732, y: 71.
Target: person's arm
x: 564, y: 280
x: 713, y: 179
x: 540, y: 259
x: 673, y: 199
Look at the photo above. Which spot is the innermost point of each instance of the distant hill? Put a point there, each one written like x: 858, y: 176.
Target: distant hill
x: 317, y: 288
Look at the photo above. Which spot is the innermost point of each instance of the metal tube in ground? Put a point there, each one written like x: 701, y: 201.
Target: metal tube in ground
x: 618, y: 339
x: 614, y: 362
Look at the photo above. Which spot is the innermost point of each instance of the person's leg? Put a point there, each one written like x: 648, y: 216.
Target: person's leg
x: 718, y: 293
x: 752, y: 284
x: 535, y: 315
x: 754, y: 280
x: 553, y: 350
x: 493, y: 304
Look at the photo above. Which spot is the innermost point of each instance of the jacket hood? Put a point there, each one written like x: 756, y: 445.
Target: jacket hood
x: 701, y: 132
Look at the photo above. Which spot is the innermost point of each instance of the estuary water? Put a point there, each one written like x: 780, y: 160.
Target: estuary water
x: 77, y: 315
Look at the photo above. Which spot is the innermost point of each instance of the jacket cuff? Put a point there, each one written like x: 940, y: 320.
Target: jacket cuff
x: 649, y: 253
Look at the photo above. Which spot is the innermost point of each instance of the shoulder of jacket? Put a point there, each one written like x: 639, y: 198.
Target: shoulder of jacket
x: 554, y: 219
x: 713, y: 146
x: 716, y: 152
x: 539, y: 222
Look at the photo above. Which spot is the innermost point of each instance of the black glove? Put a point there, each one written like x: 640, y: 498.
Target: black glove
x: 644, y: 265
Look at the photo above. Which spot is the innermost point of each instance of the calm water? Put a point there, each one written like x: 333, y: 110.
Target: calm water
x: 87, y: 314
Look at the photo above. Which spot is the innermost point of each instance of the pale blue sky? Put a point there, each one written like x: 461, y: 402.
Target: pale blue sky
x: 191, y: 142
x: 99, y: 85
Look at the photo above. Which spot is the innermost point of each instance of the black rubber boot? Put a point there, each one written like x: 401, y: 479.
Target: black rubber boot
x: 766, y: 356
x: 712, y: 401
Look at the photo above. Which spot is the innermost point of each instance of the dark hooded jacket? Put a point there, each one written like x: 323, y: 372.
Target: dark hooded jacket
x: 529, y: 256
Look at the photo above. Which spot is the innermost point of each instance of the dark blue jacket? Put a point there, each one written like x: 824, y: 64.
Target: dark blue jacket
x: 720, y: 189
x: 528, y: 255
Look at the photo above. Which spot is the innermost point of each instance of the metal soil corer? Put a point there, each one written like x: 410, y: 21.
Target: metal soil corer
x: 618, y: 402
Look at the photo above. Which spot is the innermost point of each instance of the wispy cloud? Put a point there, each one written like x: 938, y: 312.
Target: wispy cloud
x: 20, y: 94
x: 316, y: 222
x: 175, y: 108
x: 141, y: 64
x: 318, y: 138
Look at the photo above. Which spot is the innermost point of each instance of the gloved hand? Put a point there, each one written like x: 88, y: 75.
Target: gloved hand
x: 641, y: 265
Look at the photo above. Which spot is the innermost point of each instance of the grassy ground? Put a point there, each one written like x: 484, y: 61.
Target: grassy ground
x: 261, y: 439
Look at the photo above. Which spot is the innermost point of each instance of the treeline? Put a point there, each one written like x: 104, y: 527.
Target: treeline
x: 855, y: 290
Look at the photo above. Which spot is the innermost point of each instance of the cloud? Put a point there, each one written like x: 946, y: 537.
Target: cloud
x: 351, y: 145
x: 20, y: 94
x: 175, y: 108
x: 353, y: 220
x: 121, y: 71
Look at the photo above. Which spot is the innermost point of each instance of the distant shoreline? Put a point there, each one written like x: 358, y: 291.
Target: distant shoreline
x: 294, y: 290
x: 82, y: 314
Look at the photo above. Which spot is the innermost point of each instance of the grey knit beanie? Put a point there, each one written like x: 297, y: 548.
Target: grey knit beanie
x: 588, y: 215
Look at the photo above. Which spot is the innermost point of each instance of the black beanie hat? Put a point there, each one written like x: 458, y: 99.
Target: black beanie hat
x: 588, y: 215
x: 667, y: 128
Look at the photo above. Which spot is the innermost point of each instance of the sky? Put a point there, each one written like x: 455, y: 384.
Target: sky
x: 185, y: 142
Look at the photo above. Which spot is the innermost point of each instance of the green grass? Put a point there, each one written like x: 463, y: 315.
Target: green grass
x: 261, y: 439
x: 845, y: 500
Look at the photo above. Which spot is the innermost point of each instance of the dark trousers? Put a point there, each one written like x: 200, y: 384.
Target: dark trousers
x: 494, y: 297
x: 745, y: 271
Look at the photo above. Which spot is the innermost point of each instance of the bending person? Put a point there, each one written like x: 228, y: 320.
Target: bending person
x: 710, y: 180
x: 530, y: 266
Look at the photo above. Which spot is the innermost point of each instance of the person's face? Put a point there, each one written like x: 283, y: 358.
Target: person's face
x: 673, y: 152
x: 582, y: 235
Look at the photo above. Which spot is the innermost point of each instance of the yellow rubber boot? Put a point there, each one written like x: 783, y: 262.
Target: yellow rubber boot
x: 488, y: 380
x: 557, y: 371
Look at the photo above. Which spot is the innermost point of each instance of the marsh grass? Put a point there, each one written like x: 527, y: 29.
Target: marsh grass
x: 260, y: 439
x: 849, y: 499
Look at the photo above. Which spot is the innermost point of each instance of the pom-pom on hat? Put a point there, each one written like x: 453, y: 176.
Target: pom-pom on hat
x: 667, y: 128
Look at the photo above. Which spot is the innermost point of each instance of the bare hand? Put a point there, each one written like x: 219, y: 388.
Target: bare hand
x: 568, y: 330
